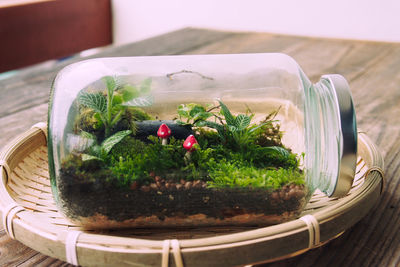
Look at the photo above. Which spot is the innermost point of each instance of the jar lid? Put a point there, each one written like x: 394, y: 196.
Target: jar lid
x: 348, y: 149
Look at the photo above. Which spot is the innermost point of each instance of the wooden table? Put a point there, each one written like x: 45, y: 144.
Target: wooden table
x: 371, y: 68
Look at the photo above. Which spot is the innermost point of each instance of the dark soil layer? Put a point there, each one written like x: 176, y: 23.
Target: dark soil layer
x: 168, y: 199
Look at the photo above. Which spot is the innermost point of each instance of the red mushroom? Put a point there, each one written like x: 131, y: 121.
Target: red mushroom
x: 164, y: 132
x: 189, y: 146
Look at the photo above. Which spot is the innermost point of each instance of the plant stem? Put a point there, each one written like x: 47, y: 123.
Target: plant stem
x: 116, y: 118
x: 107, y: 131
x: 108, y: 125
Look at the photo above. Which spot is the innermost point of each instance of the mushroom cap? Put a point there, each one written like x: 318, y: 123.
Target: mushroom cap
x: 189, y: 142
x: 164, y: 131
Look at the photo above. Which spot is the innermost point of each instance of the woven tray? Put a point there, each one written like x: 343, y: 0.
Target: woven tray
x: 30, y: 216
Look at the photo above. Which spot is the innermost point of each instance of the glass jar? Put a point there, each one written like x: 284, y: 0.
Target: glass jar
x: 196, y: 140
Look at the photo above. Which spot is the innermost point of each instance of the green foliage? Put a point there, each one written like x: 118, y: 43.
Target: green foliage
x: 145, y: 86
x: 95, y: 101
x: 109, y: 108
x: 241, y: 122
x: 192, y: 113
x: 237, y: 132
x: 100, y: 152
x: 111, y: 141
x: 229, y: 118
x: 143, y: 101
x: 238, y: 174
x: 130, y: 92
x: 134, y: 97
x: 138, y: 114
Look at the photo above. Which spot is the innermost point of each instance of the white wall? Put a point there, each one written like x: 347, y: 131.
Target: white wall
x: 351, y: 19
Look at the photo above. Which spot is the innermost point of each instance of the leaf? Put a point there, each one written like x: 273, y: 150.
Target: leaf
x: 143, y: 101
x: 233, y: 128
x: 145, y: 86
x: 116, y: 118
x: 111, y: 84
x: 129, y: 92
x: 196, y: 109
x: 202, y: 116
x: 183, y: 111
x: 87, y: 135
x: 277, y: 149
x: 95, y: 150
x: 99, y: 119
x: 87, y: 157
x: 114, y: 139
x: 258, y: 127
x: 211, y: 124
x: 117, y: 99
x: 95, y: 101
x: 242, y: 121
x: 230, y: 120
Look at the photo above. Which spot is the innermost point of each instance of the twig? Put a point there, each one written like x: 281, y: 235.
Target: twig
x: 211, y: 109
x: 189, y: 71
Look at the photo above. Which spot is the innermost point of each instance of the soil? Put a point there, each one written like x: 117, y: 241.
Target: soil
x: 164, y: 203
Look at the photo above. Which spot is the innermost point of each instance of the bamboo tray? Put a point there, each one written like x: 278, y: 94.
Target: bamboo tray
x: 30, y: 216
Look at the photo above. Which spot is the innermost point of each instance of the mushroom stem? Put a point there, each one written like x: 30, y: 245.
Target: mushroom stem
x: 188, y: 157
x: 164, y: 141
x: 189, y: 145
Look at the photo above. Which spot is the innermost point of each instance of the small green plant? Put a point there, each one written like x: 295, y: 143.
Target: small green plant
x: 100, y: 151
x: 236, y: 131
x: 109, y: 108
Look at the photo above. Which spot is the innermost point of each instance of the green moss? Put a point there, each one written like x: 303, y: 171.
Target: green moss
x: 139, y: 114
x: 83, y: 171
x: 240, y: 174
x: 87, y: 120
x: 133, y: 160
x: 128, y: 118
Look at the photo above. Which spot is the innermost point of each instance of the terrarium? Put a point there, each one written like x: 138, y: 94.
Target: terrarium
x: 205, y: 140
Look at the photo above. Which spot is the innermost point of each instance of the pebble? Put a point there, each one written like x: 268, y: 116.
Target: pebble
x: 292, y: 193
x: 288, y: 192
x: 197, y: 184
x: 275, y: 195
x: 145, y: 188
x: 153, y: 186
x: 188, y: 185
x: 134, y: 185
